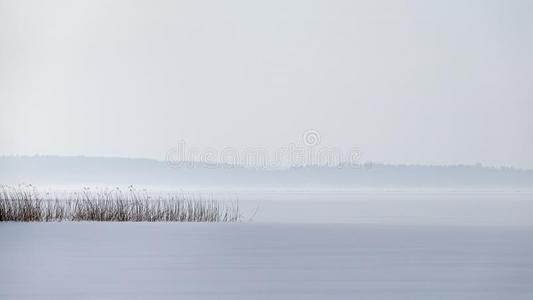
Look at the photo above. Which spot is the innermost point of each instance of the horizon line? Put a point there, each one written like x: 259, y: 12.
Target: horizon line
x: 362, y: 165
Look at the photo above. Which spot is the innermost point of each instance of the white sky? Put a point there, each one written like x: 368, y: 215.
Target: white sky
x: 428, y: 82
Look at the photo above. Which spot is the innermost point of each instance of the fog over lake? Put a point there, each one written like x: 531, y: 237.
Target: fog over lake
x: 281, y: 149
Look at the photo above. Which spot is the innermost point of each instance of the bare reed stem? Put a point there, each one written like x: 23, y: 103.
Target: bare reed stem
x: 25, y: 204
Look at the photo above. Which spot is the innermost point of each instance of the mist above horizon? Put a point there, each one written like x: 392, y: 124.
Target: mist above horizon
x: 54, y: 171
x: 415, y: 82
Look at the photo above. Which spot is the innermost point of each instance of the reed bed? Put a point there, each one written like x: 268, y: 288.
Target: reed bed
x: 26, y: 204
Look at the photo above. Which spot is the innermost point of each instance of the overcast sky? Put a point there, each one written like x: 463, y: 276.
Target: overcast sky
x: 426, y: 82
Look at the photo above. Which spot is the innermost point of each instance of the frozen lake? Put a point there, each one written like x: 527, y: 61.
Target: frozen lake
x: 454, y: 208
x: 341, y: 245
x: 263, y: 261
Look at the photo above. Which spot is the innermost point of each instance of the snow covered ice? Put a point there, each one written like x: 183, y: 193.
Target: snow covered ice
x: 273, y: 258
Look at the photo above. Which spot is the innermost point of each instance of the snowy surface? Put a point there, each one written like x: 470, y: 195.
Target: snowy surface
x: 472, y: 208
x: 344, y: 245
x: 263, y: 261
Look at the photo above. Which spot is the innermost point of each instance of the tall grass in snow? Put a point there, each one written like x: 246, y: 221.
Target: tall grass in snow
x: 26, y: 204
